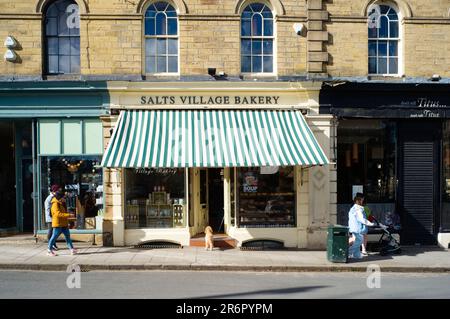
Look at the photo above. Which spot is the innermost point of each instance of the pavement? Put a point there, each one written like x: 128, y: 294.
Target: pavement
x: 25, y: 254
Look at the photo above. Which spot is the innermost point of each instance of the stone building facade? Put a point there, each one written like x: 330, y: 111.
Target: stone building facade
x: 308, y: 41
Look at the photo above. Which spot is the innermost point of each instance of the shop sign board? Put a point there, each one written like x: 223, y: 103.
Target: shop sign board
x: 160, y: 171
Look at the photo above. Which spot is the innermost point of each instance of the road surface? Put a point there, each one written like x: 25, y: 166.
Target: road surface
x: 199, y: 284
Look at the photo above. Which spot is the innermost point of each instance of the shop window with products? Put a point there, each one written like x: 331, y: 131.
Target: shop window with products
x: 265, y: 197
x: 81, y: 179
x: 367, y: 164
x: 155, y: 198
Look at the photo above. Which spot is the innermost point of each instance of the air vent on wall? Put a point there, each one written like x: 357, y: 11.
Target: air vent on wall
x: 157, y: 244
x: 262, y: 244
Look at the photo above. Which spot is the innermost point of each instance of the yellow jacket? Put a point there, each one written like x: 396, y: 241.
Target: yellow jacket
x: 59, y: 214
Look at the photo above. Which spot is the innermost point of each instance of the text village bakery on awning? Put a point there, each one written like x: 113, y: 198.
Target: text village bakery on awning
x: 237, y: 157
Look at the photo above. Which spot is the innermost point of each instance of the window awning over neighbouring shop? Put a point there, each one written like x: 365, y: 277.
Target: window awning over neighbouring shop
x: 216, y: 138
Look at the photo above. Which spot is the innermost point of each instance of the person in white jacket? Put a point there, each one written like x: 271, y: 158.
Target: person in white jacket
x: 48, y: 216
x: 357, y: 224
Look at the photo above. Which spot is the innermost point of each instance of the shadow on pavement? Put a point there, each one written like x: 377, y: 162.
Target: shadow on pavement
x: 261, y: 292
x: 405, y: 251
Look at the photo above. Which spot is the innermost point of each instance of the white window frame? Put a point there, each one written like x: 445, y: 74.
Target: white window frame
x: 262, y: 38
x: 58, y: 37
x: 166, y: 36
x: 400, y: 43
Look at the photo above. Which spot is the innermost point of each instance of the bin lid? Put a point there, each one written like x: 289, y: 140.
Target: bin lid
x: 338, y: 228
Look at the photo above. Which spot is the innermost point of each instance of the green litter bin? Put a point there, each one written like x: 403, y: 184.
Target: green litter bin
x: 337, y: 243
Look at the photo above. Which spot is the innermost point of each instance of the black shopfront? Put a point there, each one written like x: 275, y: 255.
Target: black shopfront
x: 393, y: 144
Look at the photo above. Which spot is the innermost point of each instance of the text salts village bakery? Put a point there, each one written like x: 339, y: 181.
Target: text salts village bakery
x: 211, y: 100
x: 241, y: 158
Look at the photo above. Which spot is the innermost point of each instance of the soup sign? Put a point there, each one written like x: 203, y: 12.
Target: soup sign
x: 250, y: 184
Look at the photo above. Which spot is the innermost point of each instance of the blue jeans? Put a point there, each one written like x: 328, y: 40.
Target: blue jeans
x: 354, y: 250
x: 56, y: 232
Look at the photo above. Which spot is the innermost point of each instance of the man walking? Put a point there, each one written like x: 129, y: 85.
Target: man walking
x: 48, y: 216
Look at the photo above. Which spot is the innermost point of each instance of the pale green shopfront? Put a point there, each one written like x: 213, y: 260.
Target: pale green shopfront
x: 53, y: 133
x: 69, y: 154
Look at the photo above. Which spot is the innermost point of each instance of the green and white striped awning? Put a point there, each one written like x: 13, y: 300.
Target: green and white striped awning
x: 216, y: 138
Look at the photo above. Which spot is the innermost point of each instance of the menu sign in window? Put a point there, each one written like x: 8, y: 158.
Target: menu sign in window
x: 250, y: 184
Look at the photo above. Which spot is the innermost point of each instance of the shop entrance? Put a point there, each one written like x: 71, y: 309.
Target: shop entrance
x: 211, y: 200
x: 215, y: 200
x: 419, y: 194
x: 8, y: 218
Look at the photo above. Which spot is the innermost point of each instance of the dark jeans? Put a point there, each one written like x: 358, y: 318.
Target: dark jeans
x: 56, y: 232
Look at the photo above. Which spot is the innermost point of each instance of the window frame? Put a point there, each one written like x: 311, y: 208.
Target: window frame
x: 388, y: 39
x: 262, y: 38
x: 187, y: 202
x: 45, y: 47
x: 166, y: 36
x: 237, y: 200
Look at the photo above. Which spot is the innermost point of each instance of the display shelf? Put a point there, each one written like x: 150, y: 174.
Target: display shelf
x: 178, y: 215
x: 173, y: 213
x: 158, y: 210
x: 132, y: 216
x: 266, y: 194
x: 268, y: 222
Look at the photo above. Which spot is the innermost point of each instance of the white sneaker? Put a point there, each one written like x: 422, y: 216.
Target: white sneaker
x: 51, y: 253
x: 73, y: 251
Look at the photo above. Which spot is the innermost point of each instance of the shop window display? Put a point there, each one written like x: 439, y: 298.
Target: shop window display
x: 366, y: 160
x: 266, y: 197
x: 155, y: 198
x: 82, y: 181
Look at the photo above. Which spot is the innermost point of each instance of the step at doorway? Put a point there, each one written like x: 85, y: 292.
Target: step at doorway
x: 220, y: 240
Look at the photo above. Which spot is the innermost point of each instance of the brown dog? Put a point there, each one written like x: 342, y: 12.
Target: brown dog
x: 209, y: 238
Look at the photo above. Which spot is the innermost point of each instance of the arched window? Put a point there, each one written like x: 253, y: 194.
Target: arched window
x: 383, y: 40
x: 62, y: 38
x: 257, y: 39
x: 161, y: 38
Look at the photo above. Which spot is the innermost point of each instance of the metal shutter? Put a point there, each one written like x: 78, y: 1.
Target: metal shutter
x: 418, y: 193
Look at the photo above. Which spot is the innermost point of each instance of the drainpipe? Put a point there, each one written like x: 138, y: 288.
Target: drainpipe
x: 35, y: 190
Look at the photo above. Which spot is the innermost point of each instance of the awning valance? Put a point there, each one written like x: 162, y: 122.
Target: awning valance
x: 216, y: 138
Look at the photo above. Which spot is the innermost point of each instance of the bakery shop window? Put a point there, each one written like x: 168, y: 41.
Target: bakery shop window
x: 266, y: 197
x: 81, y: 179
x: 155, y: 198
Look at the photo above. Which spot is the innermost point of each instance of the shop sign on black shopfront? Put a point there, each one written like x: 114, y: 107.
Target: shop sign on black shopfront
x: 429, y: 108
x: 427, y: 114
x: 386, y: 100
